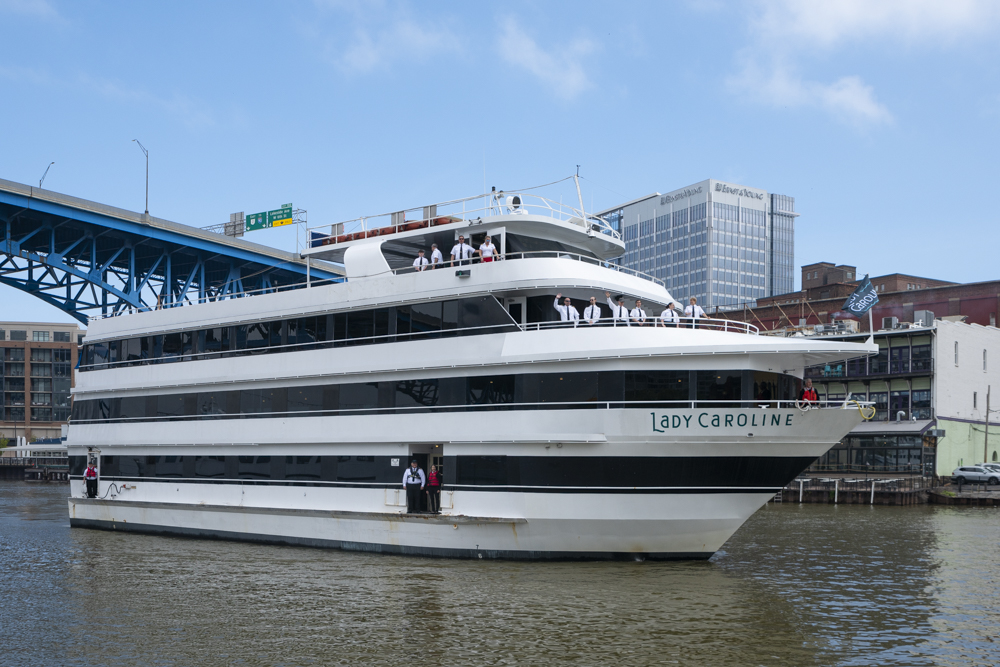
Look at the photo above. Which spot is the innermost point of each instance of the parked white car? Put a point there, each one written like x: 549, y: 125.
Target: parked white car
x: 989, y: 466
x: 975, y: 474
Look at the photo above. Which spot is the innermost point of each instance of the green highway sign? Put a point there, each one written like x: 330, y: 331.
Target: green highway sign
x: 276, y: 218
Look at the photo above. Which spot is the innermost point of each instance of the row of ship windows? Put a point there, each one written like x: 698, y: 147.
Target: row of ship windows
x: 434, y: 319
x: 546, y: 390
x: 486, y: 470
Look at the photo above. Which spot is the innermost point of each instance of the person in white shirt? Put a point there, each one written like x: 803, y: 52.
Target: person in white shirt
x: 567, y: 312
x: 436, y: 257
x: 462, y: 252
x: 420, y: 263
x: 413, y: 482
x: 669, y: 317
x: 638, y: 315
x: 694, y: 311
x: 487, y: 250
x: 618, y: 311
x: 592, y: 313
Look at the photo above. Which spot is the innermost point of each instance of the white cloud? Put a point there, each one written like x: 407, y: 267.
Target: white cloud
x: 829, y: 23
x: 848, y: 99
x: 562, y: 67
x: 402, y: 40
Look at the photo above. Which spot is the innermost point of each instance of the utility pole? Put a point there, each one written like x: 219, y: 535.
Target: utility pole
x: 986, y: 439
x: 146, y: 153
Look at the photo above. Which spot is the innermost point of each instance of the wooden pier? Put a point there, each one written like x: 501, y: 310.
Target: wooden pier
x: 852, y: 491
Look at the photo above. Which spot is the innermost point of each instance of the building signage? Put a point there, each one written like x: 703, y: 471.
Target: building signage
x: 706, y: 420
x: 276, y: 218
x: 666, y: 199
x: 739, y: 192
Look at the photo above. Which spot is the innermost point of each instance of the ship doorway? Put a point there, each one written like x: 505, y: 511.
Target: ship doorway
x: 517, y: 306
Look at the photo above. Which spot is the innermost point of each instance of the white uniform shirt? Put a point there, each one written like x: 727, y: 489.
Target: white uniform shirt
x: 461, y: 251
x: 487, y: 250
x: 592, y: 314
x: 669, y: 316
x: 618, y: 312
x: 566, y: 313
x: 638, y: 314
x: 694, y: 311
x: 437, y: 257
x: 419, y: 263
x: 412, y: 476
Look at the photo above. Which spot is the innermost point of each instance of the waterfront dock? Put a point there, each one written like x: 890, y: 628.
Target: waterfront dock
x: 35, y: 468
x: 852, y: 491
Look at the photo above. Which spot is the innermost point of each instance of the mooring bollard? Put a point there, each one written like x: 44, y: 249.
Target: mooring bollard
x: 836, y: 482
x: 800, y: 490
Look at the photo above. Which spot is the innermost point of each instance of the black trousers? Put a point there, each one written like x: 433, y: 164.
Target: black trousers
x: 433, y: 498
x: 412, y: 498
x: 91, y: 488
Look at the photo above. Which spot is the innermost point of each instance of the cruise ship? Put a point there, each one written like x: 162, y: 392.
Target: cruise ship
x: 289, y: 417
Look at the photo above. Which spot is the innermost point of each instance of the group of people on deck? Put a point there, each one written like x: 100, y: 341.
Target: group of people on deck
x: 621, y: 315
x: 462, y: 253
x: 415, y: 482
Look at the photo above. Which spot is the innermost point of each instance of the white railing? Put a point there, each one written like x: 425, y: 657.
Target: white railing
x: 457, y: 210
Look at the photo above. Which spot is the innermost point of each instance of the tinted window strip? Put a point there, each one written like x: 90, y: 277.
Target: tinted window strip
x: 492, y: 472
x: 527, y: 391
x: 468, y: 316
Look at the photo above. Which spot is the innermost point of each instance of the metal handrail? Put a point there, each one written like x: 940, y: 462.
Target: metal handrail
x: 697, y: 404
x: 374, y: 225
x: 534, y: 254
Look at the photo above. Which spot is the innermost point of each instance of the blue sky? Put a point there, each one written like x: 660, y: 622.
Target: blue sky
x: 879, y: 118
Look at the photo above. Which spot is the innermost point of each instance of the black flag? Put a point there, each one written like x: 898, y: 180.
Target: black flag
x: 861, y: 299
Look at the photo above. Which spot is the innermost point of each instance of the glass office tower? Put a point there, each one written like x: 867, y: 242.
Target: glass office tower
x: 724, y: 244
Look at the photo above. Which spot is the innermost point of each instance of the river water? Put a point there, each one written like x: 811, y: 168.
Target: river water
x: 797, y: 585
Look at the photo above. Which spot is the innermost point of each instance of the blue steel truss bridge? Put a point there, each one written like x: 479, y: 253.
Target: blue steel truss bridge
x: 89, y: 259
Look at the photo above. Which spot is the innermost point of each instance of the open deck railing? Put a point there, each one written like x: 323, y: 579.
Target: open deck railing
x: 456, y: 210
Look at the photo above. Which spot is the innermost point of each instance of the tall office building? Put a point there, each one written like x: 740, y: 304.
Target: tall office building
x: 36, y: 375
x: 724, y: 244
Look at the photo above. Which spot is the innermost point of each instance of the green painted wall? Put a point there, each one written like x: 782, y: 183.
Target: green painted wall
x: 963, y: 445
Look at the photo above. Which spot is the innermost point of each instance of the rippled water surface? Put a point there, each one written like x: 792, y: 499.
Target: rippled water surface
x: 797, y: 585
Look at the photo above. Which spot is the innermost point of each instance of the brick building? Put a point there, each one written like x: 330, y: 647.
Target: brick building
x: 826, y: 287
x: 37, y: 362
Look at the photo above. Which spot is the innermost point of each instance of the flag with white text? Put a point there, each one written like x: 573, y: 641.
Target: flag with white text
x: 861, y: 299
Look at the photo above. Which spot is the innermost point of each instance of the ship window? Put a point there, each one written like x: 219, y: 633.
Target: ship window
x: 656, y: 385
x: 426, y: 317
x: 490, y: 389
x: 256, y: 336
x: 212, y: 403
x: 403, y: 318
x: 132, y: 407
x: 131, y: 349
x: 449, y: 316
x: 170, y: 405
x: 485, y: 470
x: 381, y: 322
x: 303, y: 467
x: 172, y: 346
x: 356, y: 469
x: 254, y: 467
x: 210, y: 466
x: 719, y: 386
x: 416, y: 393
x: 340, y: 326
x: 305, y: 398
x: 254, y: 401
x: 359, y: 396
x: 101, y: 353
x: 567, y: 387
x: 215, y: 340
x: 360, y: 325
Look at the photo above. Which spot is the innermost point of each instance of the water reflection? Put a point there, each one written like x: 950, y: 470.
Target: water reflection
x: 798, y: 585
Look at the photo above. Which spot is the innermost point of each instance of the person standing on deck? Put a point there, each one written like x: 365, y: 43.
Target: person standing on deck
x: 437, y: 259
x: 567, y: 312
x: 420, y: 263
x: 90, y: 475
x: 462, y: 252
x: 695, y: 312
x: 434, y: 491
x: 638, y: 315
x: 619, y: 312
x: 487, y: 250
x: 592, y: 313
x: 669, y: 317
x: 413, y: 482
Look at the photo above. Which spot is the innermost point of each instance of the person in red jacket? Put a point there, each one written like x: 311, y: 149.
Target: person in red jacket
x: 90, y: 476
x: 434, y: 491
x: 809, y: 395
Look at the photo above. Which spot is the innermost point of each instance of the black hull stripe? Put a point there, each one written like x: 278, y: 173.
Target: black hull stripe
x: 389, y: 549
x: 464, y: 487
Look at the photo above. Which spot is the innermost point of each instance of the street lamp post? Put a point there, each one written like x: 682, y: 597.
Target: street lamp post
x: 146, y: 153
